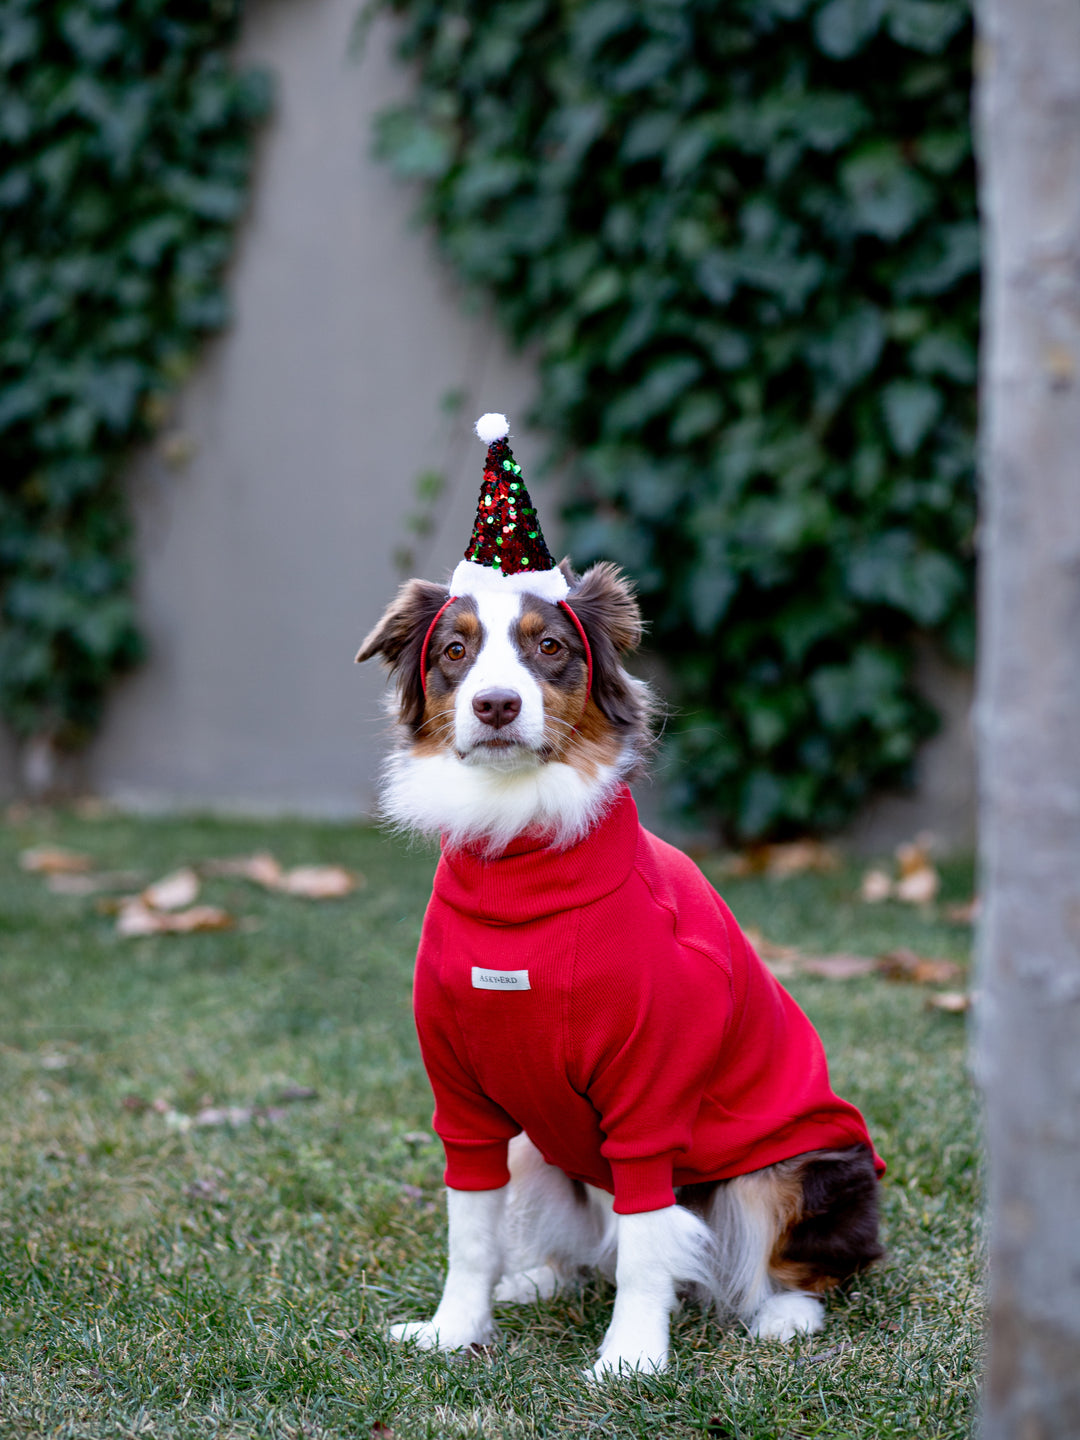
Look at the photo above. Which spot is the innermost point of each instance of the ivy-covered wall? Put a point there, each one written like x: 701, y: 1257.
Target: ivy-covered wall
x: 741, y: 237
x: 125, y: 149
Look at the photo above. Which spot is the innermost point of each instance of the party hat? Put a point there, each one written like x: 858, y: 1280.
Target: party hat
x: 506, y: 551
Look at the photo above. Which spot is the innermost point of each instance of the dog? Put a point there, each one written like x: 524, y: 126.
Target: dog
x: 620, y: 1084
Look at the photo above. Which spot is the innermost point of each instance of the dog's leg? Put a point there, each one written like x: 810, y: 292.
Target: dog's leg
x: 657, y: 1249
x: 474, y: 1245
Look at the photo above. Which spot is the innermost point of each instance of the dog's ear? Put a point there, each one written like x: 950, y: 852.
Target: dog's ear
x: 604, y: 603
x: 399, y: 639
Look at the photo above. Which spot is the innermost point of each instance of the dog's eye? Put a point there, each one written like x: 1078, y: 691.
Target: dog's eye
x: 549, y: 646
x: 455, y: 650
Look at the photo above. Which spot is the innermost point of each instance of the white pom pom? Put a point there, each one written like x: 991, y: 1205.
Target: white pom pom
x: 492, y: 427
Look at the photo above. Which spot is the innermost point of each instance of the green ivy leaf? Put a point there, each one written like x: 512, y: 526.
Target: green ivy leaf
x: 926, y: 25
x: 842, y: 27
x: 887, y: 196
x: 417, y: 148
x: 891, y: 570
x: 911, y: 408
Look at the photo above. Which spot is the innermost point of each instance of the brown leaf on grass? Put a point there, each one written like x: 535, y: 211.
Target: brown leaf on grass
x: 52, y: 860
x: 319, y: 882
x: 311, y: 882
x: 291, y: 1094
x: 876, y: 886
x: 918, y: 887
x: 136, y: 919
x: 173, y: 892
x: 799, y: 857
x: 914, y: 854
x: 793, y: 857
x: 964, y: 913
x: 768, y: 949
x: 261, y: 869
x: 953, y: 1002
x: 919, y: 880
x: 839, y: 967
x: 904, y: 964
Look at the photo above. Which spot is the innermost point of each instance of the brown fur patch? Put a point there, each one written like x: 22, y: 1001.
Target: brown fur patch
x: 594, y: 743
x: 459, y: 623
x: 826, y: 1206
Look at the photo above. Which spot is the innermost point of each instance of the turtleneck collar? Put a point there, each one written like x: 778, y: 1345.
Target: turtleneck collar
x: 532, y: 879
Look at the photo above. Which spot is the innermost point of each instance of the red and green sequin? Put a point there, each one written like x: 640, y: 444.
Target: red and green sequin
x: 507, y: 533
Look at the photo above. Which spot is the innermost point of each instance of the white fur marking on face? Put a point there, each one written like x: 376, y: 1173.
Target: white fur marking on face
x: 498, y: 667
x: 478, y: 804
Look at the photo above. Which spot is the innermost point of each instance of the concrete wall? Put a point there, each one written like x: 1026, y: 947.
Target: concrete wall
x: 269, y: 511
x: 265, y: 557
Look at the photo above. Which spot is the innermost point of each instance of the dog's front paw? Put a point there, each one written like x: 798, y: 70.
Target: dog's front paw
x: 446, y: 1332
x: 421, y: 1333
x: 784, y: 1316
x: 631, y: 1351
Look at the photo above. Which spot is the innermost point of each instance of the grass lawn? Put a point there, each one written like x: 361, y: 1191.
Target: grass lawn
x: 162, y: 1278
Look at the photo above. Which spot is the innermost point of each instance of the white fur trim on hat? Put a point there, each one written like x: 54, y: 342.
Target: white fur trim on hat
x: 492, y: 427
x: 472, y: 579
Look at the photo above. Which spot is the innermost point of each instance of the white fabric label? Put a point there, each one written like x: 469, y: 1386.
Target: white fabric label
x: 499, y: 979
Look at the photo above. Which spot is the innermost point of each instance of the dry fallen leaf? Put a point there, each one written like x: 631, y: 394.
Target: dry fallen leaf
x: 798, y: 857
x: 839, y: 967
x: 172, y: 892
x: 318, y: 882
x: 137, y: 918
x: 312, y: 882
x: 953, y: 1002
x: 793, y: 857
x: 915, y: 854
x: 767, y: 949
x: 964, y: 913
x: 262, y: 868
x: 52, y: 860
x: 904, y: 964
x: 876, y: 886
x: 918, y: 887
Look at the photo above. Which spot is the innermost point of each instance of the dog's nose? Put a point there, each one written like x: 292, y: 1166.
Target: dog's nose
x: 497, y: 707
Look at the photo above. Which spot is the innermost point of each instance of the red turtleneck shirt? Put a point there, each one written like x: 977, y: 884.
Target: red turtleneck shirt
x: 604, y: 1000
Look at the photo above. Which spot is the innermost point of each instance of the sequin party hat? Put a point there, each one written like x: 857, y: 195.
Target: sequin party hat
x: 506, y: 552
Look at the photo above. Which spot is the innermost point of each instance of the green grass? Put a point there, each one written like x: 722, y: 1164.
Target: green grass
x: 166, y: 1281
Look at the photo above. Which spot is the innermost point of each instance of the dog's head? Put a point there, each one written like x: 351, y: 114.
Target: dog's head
x: 513, y: 710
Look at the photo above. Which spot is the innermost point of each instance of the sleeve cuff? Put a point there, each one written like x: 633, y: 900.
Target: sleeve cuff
x: 643, y: 1184
x: 476, y: 1165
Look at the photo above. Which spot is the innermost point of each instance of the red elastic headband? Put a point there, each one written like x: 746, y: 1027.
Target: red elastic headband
x: 562, y: 606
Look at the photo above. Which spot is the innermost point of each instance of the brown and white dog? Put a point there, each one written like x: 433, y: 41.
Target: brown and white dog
x: 515, y: 714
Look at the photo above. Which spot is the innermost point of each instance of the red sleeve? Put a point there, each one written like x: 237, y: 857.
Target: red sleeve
x: 648, y: 1026
x: 473, y: 1129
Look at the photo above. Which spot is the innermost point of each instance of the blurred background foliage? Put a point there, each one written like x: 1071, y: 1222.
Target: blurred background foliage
x: 740, y: 236
x: 125, y: 148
